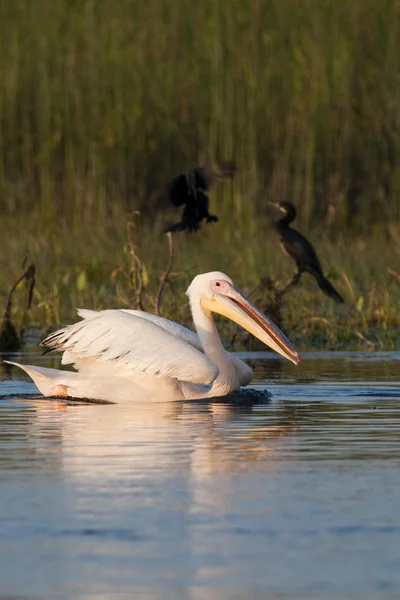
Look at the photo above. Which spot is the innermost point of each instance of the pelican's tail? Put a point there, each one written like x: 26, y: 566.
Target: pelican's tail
x: 327, y: 287
x: 45, y: 379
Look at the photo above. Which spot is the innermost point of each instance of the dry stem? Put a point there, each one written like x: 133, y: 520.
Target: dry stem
x: 136, y: 268
x: 165, y: 276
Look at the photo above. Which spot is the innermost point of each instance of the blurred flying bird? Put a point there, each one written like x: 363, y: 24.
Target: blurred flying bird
x: 295, y: 245
x: 189, y: 190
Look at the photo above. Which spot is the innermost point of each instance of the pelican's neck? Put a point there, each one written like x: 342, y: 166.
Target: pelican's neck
x: 227, y: 380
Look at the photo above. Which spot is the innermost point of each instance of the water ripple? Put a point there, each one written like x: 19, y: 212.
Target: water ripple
x: 222, y: 498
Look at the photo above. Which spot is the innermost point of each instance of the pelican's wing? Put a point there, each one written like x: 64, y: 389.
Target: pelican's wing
x: 179, y: 331
x: 124, y: 339
x: 243, y: 371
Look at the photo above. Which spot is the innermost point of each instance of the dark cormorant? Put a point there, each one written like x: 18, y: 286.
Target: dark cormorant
x: 301, y: 251
x: 189, y: 189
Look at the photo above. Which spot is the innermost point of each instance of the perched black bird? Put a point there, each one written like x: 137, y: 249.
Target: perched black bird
x: 189, y: 190
x: 301, y: 251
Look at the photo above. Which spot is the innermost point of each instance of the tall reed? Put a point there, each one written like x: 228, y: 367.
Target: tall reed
x: 101, y: 101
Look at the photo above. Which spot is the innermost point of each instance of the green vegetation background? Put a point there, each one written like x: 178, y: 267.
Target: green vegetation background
x: 101, y: 101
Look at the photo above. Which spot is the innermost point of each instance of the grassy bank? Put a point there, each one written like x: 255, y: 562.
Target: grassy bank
x: 75, y: 269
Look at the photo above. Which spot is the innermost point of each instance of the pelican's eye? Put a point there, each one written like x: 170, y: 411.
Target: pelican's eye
x: 219, y: 286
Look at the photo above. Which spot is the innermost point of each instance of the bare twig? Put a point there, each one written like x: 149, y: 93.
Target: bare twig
x: 265, y: 282
x: 370, y: 344
x: 291, y: 284
x: 269, y: 284
x: 165, y: 276
x: 30, y: 276
x: 394, y: 274
x: 136, y: 270
x: 9, y: 339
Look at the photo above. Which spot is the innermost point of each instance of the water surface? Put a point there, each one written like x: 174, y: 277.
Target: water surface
x: 296, y: 495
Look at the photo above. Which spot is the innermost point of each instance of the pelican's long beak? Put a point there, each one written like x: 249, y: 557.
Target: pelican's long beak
x: 235, y: 306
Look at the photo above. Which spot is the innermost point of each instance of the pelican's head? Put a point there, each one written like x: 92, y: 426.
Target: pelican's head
x: 217, y: 293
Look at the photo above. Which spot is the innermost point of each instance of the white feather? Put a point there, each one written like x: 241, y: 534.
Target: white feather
x: 243, y: 371
x: 134, y: 343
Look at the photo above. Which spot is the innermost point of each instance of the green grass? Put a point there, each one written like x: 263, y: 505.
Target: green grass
x: 75, y: 269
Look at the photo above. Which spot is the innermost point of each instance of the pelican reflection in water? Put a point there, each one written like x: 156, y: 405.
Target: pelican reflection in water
x: 133, y: 355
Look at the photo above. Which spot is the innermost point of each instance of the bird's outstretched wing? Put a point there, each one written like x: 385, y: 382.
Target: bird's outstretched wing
x: 243, y: 371
x: 138, y: 344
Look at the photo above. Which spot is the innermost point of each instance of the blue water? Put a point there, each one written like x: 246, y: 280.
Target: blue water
x: 296, y: 495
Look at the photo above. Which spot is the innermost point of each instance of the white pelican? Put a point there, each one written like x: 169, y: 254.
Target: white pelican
x: 133, y: 355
